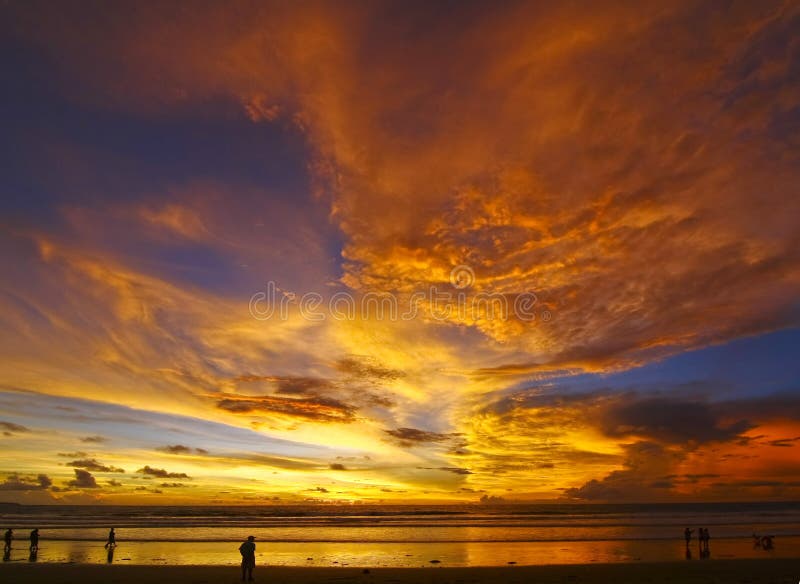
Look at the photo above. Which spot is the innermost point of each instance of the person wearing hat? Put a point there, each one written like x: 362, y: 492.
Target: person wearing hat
x: 248, y: 551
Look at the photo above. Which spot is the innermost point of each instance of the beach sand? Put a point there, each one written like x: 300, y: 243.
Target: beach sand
x: 771, y: 571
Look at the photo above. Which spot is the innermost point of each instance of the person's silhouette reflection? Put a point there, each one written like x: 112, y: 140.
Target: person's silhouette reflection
x: 110, y: 555
x: 34, y: 555
x: 688, y: 553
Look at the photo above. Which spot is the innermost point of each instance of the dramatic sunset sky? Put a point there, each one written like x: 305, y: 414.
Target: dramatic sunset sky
x: 622, y: 175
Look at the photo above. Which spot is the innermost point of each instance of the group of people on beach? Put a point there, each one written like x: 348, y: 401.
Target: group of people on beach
x: 9, y: 537
x: 703, y: 537
x: 33, y: 549
x: 763, y: 541
x: 247, y: 549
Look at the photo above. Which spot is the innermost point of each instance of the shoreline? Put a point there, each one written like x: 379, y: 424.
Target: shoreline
x: 366, y: 554
x: 752, y: 571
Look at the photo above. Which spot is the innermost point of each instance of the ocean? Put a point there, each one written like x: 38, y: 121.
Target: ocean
x: 407, y: 535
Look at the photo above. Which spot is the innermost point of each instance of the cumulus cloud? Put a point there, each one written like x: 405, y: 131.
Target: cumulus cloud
x: 668, y: 420
x: 646, y: 470
x: 83, y: 480
x: 161, y: 473
x: 17, y: 482
x: 93, y: 465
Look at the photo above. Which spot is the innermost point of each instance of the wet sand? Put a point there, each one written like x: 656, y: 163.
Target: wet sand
x: 767, y: 571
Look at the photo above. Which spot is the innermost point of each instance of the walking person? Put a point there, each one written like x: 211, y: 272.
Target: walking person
x: 7, y: 549
x: 687, y: 535
x: 248, y: 551
x: 34, y: 541
x: 112, y: 539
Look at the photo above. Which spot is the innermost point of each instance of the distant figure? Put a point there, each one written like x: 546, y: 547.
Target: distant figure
x: 112, y: 539
x: 703, y: 537
x: 248, y: 551
x: 8, y: 537
x: 756, y: 541
x: 687, y: 535
x: 34, y: 541
x: 766, y: 542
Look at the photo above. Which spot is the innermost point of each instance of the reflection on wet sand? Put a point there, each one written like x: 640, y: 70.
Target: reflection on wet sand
x: 402, y: 554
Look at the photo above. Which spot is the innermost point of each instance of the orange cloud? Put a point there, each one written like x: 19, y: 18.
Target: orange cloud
x: 634, y: 169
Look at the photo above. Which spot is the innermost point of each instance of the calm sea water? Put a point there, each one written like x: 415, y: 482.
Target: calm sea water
x: 360, y: 535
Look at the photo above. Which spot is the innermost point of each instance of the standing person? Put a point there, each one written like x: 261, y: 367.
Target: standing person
x: 8, y: 537
x: 112, y: 539
x: 34, y: 541
x: 687, y: 535
x: 248, y: 551
x: 706, y: 539
x: 701, y: 540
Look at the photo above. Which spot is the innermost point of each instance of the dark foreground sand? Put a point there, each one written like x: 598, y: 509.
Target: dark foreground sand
x: 696, y: 572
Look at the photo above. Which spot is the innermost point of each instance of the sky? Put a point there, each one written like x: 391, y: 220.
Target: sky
x: 371, y: 252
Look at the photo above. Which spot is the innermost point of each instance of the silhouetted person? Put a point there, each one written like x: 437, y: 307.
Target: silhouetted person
x: 112, y: 539
x: 766, y: 542
x: 8, y: 537
x: 756, y: 541
x: 34, y: 541
x: 703, y: 538
x: 248, y: 551
x: 687, y: 535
